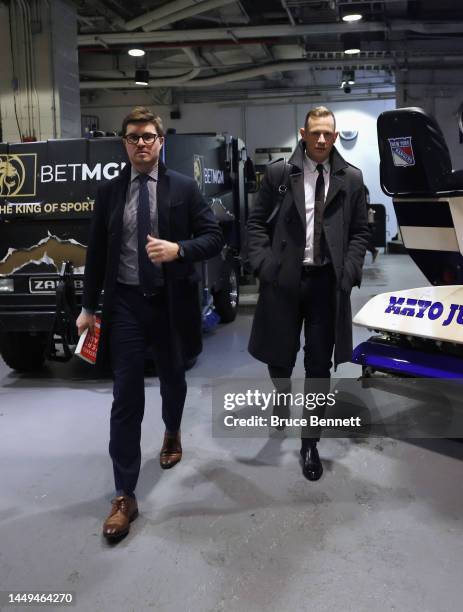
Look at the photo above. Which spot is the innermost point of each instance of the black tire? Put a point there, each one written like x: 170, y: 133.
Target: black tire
x: 367, y: 371
x: 22, y: 351
x: 226, y: 301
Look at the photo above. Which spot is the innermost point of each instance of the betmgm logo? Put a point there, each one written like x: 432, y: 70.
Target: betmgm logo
x: 18, y: 175
x: 198, y: 171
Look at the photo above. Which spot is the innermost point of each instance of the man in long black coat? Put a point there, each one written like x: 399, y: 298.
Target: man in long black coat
x: 149, y: 226
x: 307, y: 238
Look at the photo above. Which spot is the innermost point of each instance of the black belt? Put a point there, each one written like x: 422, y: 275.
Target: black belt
x: 158, y: 292
x: 311, y: 270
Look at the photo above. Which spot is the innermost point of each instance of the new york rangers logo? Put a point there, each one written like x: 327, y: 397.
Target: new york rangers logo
x: 402, y: 151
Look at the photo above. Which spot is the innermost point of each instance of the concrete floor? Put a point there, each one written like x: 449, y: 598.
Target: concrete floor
x: 235, y: 526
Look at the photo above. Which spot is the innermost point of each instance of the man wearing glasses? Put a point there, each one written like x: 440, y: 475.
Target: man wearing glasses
x: 150, y: 224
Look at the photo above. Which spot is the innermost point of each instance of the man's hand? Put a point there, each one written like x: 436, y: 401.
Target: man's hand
x: 161, y: 251
x: 85, y: 321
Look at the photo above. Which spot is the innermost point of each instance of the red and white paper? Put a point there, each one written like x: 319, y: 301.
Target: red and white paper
x: 87, y: 346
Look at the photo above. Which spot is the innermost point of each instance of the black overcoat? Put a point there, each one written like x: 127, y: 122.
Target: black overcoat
x: 276, y: 252
x: 183, y: 217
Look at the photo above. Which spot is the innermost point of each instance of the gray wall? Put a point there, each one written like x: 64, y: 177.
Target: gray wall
x: 49, y: 106
x: 271, y: 125
x: 440, y: 93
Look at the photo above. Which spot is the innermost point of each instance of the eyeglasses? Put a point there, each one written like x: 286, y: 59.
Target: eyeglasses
x: 147, y: 137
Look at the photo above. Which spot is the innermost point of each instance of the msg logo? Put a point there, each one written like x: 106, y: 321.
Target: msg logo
x: 18, y: 174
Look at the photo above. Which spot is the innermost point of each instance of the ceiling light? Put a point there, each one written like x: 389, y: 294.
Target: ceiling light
x: 136, y: 52
x: 352, y: 51
x: 352, y: 17
x: 348, y: 77
x: 142, y: 77
x: 351, y: 44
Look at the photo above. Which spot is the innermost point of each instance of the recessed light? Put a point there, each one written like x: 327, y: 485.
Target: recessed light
x: 136, y: 52
x: 351, y: 43
x: 142, y: 77
x: 352, y: 17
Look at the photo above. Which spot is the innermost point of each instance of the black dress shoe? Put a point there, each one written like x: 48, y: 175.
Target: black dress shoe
x: 312, y: 467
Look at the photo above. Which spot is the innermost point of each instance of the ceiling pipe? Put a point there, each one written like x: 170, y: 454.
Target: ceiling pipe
x: 192, y: 11
x: 288, y: 12
x: 179, y: 45
x: 159, y: 13
x: 216, y: 80
x: 299, y: 65
x: 167, y: 82
x: 277, y: 31
x: 195, y: 61
x: 250, y: 73
x: 114, y: 19
x: 184, y: 78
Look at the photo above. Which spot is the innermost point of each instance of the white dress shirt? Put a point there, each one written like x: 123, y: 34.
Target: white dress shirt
x: 128, y: 262
x: 310, y: 180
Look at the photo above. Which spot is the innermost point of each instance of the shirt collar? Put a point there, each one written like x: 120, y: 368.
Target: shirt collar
x: 153, y: 174
x: 312, y: 165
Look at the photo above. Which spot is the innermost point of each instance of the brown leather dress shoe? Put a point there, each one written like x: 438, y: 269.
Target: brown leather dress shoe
x: 171, y: 451
x: 117, y: 524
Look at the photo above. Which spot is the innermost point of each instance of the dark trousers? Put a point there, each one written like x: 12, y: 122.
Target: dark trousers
x: 371, y: 244
x: 317, y: 313
x: 139, y: 323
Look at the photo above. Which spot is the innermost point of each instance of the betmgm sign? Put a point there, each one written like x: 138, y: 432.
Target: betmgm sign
x: 18, y: 175
x: 206, y: 176
x: 57, y: 178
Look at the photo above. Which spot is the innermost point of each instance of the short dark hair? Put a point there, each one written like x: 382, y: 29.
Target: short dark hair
x: 141, y: 114
x: 319, y: 111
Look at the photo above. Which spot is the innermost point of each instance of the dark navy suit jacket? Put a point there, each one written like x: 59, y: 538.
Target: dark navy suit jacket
x: 183, y: 217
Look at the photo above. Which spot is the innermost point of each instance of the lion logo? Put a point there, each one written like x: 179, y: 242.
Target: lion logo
x: 12, y: 175
x: 198, y: 171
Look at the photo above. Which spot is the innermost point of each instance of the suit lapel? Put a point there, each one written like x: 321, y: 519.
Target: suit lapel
x: 297, y: 188
x: 117, y: 204
x: 163, y: 202
x: 336, y: 184
x: 338, y: 165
